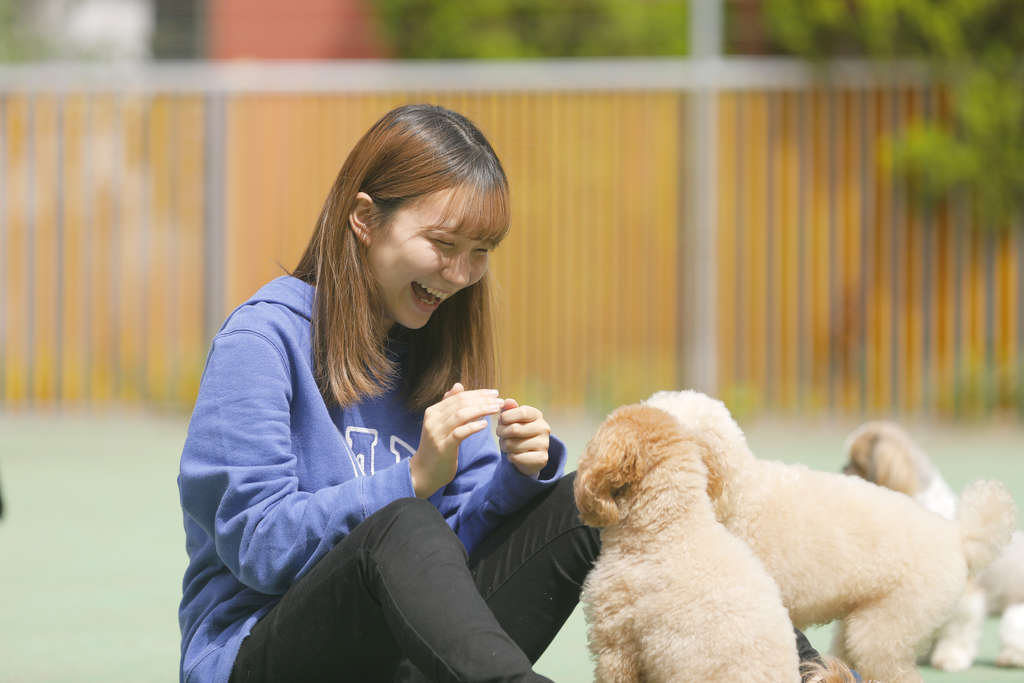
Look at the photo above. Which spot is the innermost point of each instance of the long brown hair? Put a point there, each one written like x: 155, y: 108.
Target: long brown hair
x: 412, y: 151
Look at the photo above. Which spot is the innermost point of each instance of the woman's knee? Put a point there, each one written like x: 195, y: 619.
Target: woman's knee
x: 406, y: 509
x: 563, y: 489
x: 588, y: 538
x: 409, y: 527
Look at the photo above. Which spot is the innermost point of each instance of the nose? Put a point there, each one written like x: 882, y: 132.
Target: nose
x: 457, y: 270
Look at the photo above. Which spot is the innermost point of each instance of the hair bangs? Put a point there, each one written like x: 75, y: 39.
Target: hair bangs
x: 479, y: 212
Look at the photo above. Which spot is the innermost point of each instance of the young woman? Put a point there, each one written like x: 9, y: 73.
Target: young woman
x: 348, y: 514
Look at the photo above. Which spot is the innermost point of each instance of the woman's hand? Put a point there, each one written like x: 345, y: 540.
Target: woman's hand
x: 458, y: 414
x: 523, y: 435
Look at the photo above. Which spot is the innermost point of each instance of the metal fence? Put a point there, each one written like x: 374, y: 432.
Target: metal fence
x: 723, y: 223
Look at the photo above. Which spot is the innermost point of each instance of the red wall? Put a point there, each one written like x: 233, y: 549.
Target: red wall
x: 291, y: 29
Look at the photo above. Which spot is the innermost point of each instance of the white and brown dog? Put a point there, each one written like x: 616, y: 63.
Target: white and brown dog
x: 674, y: 596
x: 884, y: 453
x: 841, y: 548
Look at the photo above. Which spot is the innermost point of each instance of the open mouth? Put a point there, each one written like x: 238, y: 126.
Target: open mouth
x: 428, y: 296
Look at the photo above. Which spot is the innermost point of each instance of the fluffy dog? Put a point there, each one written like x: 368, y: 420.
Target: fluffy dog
x: 883, y: 453
x: 841, y: 548
x: 673, y: 596
x: 1004, y: 592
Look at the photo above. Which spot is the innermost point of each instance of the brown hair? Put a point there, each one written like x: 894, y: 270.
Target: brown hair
x: 412, y: 151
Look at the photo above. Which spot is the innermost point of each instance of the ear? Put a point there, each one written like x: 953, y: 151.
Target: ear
x: 359, y: 218
x: 715, y: 483
x: 893, y: 468
x: 609, y: 463
x: 858, y: 449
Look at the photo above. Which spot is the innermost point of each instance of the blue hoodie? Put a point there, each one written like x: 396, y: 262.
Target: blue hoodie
x: 271, y: 478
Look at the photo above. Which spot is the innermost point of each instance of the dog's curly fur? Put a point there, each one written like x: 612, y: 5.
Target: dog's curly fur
x: 885, y: 454
x: 841, y: 548
x: 673, y: 595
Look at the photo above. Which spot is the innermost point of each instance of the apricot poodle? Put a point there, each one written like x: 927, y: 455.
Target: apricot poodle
x: 674, y: 596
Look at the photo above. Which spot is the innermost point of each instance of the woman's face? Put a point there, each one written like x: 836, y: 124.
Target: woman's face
x: 419, y: 262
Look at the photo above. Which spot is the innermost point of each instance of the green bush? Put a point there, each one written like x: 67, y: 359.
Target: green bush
x: 426, y: 29
x: 975, y: 47
x: 19, y: 42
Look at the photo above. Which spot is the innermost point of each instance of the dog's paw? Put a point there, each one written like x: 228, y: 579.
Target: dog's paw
x: 1011, y: 637
x: 952, y: 657
x: 1011, y: 657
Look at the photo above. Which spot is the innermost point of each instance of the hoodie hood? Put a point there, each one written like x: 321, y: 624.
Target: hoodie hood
x: 287, y: 291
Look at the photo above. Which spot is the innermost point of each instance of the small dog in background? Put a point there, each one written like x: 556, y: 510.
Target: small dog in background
x: 885, y: 454
x: 674, y: 596
x: 840, y: 548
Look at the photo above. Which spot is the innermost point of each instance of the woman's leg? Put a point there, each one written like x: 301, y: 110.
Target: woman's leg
x: 530, y: 570
x: 397, y: 585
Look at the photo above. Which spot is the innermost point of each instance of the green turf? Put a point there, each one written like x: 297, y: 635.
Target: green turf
x: 93, y: 549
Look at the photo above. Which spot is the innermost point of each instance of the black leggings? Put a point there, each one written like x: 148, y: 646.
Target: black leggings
x: 398, y: 599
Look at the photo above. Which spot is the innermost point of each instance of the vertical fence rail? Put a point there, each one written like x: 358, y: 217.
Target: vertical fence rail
x: 214, y: 193
x: 4, y: 252
x: 724, y: 224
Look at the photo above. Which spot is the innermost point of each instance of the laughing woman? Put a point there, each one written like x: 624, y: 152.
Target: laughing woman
x: 348, y: 514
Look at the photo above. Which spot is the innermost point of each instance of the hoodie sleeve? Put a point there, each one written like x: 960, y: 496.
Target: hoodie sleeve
x: 238, y: 477
x: 488, y: 488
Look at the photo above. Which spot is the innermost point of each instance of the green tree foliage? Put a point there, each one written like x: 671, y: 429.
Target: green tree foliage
x: 975, y: 46
x: 18, y: 41
x: 533, y: 28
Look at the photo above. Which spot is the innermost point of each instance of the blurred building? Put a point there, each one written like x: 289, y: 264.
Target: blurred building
x: 746, y: 31
x: 197, y: 29
x: 297, y: 29
x: 266, y: 29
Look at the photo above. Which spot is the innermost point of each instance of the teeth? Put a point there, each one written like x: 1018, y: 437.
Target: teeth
x: 434, y: 292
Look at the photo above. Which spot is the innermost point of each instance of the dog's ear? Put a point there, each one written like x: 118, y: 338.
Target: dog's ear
x: 715, y: 483
x: 859, y: 458
x: 711, y: 447
x: 893, y: 467
x: 611, y: 462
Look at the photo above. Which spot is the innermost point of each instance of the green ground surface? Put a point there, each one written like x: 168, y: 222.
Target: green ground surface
x: 92, y: 546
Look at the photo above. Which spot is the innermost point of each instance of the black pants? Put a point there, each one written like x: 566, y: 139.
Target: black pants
x: 398, y: 599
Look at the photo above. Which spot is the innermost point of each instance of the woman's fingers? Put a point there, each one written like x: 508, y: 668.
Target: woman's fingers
x: 520, y: 414
x: 522, y: 430
x: 459, y: 409
x: 456, y: 388
x: 539, y: 442
x: 472, y: 410
x: 445, y: 424
x: 524, y: 436
x: 521, y: 424
x: 462, y: 431
x: 529, y: 463
x: 457, y: 398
